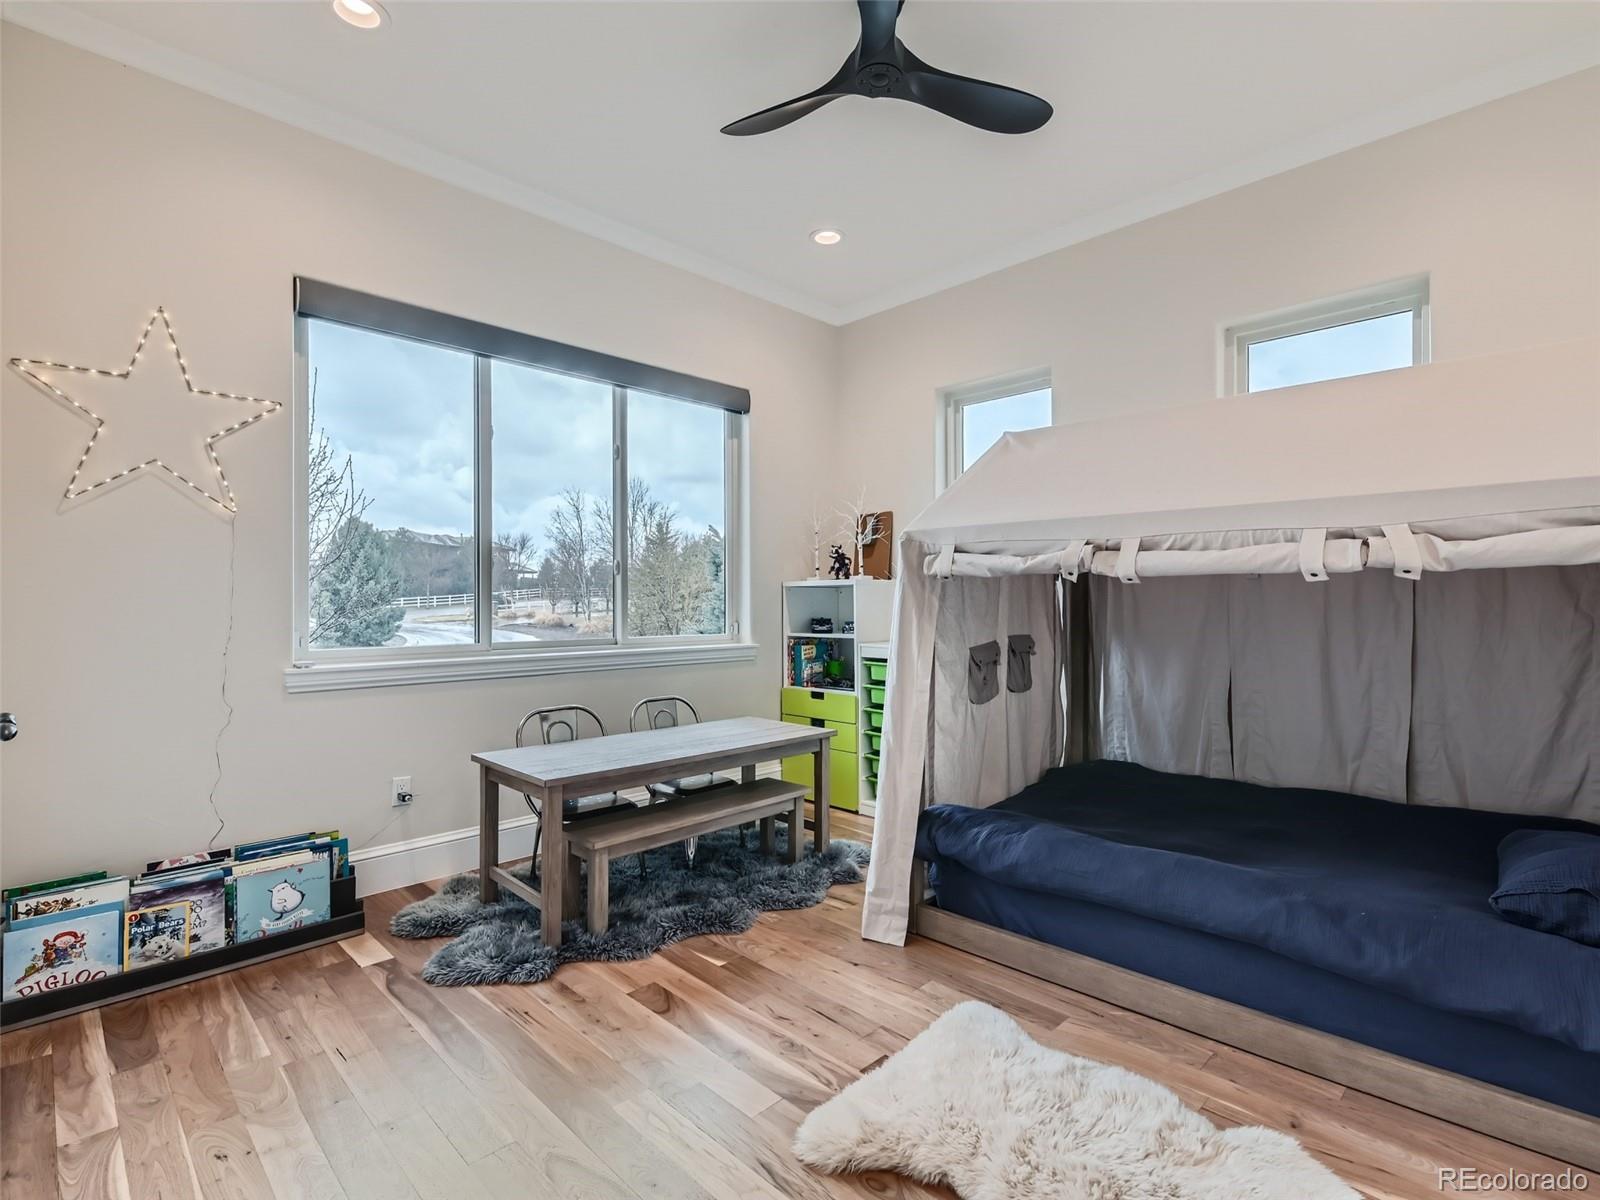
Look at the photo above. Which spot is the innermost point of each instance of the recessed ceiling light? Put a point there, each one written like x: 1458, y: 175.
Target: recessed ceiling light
x: 363, y: 14
x: 826, y: 237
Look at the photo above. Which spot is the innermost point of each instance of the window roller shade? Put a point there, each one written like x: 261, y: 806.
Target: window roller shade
x: 330, y: 302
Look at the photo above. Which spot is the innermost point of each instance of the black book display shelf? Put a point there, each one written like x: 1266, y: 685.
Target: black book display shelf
x: 347, y: 918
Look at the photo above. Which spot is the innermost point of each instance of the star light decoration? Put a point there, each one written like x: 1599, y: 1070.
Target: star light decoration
x: 223, y: 498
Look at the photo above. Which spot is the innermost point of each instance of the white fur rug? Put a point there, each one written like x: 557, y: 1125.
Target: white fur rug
x: 974, y: 1102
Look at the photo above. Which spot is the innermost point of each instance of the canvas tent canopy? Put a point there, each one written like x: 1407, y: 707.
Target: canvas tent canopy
x: 1324, y: 575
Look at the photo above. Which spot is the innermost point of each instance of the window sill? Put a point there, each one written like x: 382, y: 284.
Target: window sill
x: 335, y: 676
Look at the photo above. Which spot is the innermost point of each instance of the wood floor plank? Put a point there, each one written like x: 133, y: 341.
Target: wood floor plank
x: 471, y: 1125
x: 22, y: 1044
x: 290, y: 1154
x: 84, y: 1103
x: 233, y: 1030
x: 153, y: 1145
x: 226, y: 1163
x: 92, y: 1168
x: 129, y: 1034
x: 28, y: 1130
x: 351, y: 1145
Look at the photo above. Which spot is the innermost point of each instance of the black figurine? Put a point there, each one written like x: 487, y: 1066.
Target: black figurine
x: 839, y: 563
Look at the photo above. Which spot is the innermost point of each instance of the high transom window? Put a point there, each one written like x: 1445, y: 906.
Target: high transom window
x: 1380, y: 329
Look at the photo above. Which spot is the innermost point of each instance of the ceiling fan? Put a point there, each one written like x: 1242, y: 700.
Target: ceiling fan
x: 880, y: 66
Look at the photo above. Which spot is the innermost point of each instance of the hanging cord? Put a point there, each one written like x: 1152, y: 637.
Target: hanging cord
x: 227, y: 720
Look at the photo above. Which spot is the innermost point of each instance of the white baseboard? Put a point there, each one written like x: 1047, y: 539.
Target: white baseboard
x: 436, y: 855
x: 418, y: 860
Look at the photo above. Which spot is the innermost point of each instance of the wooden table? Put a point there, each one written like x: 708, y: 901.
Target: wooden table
x: 623, y: 760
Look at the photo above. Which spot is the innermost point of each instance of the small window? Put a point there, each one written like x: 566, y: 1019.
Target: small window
x: 1376, y: 330
x: 974, y: 417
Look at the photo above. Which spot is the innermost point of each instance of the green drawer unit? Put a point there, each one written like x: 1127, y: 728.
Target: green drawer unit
x: 843, y: 782
x: 826, y: 705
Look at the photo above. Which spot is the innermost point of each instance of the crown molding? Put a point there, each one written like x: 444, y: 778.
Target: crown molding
x: 66, y: 24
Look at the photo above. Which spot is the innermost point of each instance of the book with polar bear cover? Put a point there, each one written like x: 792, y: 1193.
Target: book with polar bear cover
x: 206, y: 892
x: 158, y: 933
x: 279, y: 893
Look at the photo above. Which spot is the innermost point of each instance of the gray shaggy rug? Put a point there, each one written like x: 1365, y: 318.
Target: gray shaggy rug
x: 723, y: 892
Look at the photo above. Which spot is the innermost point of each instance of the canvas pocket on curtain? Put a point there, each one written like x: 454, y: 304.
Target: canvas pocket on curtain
x: 983, y: 672
x: 1019, y: 662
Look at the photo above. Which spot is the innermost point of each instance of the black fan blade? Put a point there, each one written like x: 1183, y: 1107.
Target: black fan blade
x: 780, y: 115
x: 991, y: 106
x: 878, y: 19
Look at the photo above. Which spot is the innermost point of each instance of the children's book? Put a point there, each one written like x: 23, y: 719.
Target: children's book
x: 247, y: 850
x: 204, y: 890
x: 156, y: 934
x: 61, y: 950
x: 49, y: 885
x: 280, y: 893
x: 64, y: 899
x: 187, y: 862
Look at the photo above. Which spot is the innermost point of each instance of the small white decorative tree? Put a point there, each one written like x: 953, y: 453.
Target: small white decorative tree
x: 861, y: 528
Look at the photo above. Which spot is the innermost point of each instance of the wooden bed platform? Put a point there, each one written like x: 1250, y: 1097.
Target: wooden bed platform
x: 1559, y: 1132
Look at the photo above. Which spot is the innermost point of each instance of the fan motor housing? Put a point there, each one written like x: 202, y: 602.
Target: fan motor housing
x: 879, y: 79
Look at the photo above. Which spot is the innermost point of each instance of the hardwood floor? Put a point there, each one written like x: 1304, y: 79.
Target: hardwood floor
x: 337, y: 1073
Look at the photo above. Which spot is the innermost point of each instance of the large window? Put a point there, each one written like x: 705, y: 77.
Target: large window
x: 462, y: 504
x: 975, y: 416
x: 1376, y: 330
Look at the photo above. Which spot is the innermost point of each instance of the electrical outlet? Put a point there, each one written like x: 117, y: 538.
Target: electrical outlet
x: 400, y: 792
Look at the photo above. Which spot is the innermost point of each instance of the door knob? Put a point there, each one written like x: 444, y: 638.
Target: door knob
x: 8, y: 727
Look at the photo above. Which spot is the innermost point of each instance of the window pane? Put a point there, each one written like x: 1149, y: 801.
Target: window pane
x: 553, y: 438
x: 390, y: 490
x: 984, y: 422
x: 1376, y: 344
x: 676, y: 517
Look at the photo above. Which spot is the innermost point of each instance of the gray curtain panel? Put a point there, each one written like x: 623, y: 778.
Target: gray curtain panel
x: 1322, y: 682
x: 1159, y: 676
x: 988, y: 740
x: 1506, y: 699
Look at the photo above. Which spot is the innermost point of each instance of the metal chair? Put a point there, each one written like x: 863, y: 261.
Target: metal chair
x: 564, y: 723
x: 668, y: 712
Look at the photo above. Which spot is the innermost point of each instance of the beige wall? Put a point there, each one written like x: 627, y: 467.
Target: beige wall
x: 1499, y: 204
x: 121, y: 192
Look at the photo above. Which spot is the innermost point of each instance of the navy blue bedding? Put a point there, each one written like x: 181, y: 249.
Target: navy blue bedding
x: 1281, y: 987
x: 1392, y: 896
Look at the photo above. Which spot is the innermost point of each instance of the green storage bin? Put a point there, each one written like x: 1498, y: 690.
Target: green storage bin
x: 874, y: 742
x: 872, y: 718
x: 877, y: 672
x: 876, y: 696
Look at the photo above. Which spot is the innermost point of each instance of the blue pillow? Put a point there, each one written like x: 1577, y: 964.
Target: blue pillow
x: 1551, y: 881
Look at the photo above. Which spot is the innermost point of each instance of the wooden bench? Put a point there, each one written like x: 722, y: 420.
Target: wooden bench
x: 597, y: 840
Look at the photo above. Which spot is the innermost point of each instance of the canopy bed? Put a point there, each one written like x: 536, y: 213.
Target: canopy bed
x: 1275, y: 717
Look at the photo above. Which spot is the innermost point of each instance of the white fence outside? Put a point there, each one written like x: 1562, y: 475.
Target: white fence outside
x: 502, y: 599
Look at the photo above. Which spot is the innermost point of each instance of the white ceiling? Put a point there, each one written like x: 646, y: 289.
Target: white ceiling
x: 605, y: 116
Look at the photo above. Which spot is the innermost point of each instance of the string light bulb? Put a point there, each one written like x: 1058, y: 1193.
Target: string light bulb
x: 227, y: 503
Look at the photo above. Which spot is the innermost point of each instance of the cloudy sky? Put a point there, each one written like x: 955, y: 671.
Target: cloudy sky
x: 402, y: 410
x: 1376, y: 344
